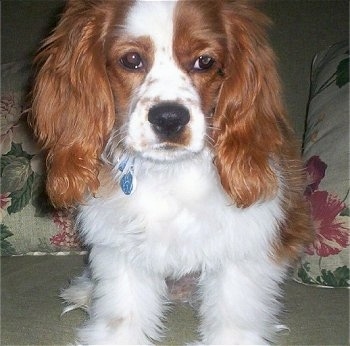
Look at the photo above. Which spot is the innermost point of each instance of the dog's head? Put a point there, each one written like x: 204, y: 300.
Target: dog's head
x: 161, y: 80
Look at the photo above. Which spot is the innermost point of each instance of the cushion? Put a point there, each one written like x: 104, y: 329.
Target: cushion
x: 31, y: 310
x: 326, y: 154
x: 28, y: 223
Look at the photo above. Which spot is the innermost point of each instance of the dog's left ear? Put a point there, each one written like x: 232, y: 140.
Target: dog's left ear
x: 73, y: 107
x: 249, y: 117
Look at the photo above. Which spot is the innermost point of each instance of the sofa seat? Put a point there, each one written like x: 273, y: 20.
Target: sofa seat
x: 31, y: 307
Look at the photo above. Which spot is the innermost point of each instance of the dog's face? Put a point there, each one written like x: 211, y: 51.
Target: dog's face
x: 160, y: 80
x: 165, y: 63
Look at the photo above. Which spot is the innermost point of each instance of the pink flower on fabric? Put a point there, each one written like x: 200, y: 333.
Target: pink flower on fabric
x: 315, y: 172
x: 5, y: 202
x: 331, y: 235
x: 67, y: 236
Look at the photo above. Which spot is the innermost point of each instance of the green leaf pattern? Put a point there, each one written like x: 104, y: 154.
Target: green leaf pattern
x: 28, y: 222
x: 342, y: 74
x: 20, y: 198
x: 5, y: 246
x: 340, y: 77
x: 340, y: 277
x: 17, y: 175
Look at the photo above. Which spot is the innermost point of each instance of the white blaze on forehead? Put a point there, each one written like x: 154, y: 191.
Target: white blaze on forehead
x: 153, y: 19
x: 165, y: 81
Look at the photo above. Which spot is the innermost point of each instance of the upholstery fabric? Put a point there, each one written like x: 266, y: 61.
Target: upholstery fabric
x: 28, y: 223
x: 326, y: 154
x: 31, y: 309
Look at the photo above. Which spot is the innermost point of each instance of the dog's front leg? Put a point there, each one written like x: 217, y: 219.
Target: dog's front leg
x: 127, y: 301
x: 240, y: 303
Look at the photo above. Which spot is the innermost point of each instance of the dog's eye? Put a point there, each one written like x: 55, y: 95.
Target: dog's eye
x: 204, y: 62
x: 132, y: 61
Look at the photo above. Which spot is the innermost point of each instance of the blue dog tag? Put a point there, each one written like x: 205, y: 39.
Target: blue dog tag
x: 126, y: 183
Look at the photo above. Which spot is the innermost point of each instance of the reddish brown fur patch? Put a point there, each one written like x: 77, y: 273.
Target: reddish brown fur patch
x: 108, y: 186
x: 297, y: 229
x: 242, y: 88
x: 206, y: 36
x: 73, y: 108
x: 249, y: 110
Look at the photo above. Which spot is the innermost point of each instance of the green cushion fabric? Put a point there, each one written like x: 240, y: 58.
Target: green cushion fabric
x: 28, y: 223
x: 31, y: 309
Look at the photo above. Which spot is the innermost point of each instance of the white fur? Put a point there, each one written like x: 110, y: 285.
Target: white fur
x: 165, y: 230
x: 178, y: 220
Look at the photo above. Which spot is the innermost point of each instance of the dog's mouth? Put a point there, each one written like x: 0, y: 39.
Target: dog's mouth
x: 166, y: 152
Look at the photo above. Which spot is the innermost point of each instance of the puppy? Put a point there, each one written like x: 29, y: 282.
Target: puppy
x: 163, y: 124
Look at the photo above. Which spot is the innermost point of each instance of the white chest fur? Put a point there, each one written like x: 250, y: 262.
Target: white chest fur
x: 179, y: 219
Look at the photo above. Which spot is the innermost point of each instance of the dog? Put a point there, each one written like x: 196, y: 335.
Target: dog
x: 164, y: 126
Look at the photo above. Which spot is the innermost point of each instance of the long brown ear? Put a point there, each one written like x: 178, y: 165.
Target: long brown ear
x: 72, y: 108
x: 249, y: 115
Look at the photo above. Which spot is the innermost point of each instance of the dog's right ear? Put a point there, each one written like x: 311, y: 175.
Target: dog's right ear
x: 250, y: 116
x: 72, y: 104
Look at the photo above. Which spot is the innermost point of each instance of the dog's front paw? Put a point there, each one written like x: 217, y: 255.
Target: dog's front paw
x: 234, y: 337
x: 112, y: 332
x: 195, y: 343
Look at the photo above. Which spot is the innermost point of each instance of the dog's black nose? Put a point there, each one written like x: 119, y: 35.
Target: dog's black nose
x: 168, y: 119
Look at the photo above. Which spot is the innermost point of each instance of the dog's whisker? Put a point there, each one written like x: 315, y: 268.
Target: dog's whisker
x: 209, y: 139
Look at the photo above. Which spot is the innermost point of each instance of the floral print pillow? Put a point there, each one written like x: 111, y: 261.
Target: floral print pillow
x: 28, y: 223
x: 326, y: 154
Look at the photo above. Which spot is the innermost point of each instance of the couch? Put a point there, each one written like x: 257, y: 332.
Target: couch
x: 39, y: 246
